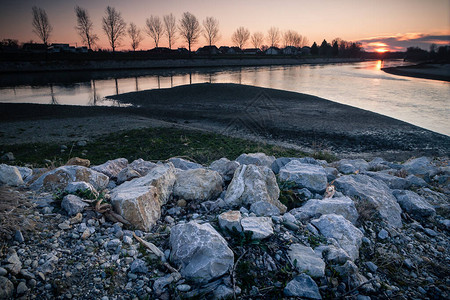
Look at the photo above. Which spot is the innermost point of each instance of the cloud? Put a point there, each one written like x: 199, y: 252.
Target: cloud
x: 400, y: 42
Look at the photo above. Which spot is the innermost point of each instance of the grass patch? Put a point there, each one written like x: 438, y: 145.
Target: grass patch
x: 151, y: 144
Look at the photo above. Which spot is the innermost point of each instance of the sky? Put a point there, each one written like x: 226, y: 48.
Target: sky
x: 379, y: 24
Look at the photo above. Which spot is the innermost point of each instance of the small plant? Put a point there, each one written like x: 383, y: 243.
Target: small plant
x: 288, y: 195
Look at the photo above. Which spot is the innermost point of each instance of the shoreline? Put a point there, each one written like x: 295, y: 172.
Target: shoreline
x: 425, y: 71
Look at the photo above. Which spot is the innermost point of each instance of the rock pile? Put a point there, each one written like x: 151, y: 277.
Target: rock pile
x: 179, y: 229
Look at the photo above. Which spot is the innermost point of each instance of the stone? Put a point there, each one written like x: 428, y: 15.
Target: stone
x: 138, y: 266
x: 393, y: 182
x: 314, y: 208
x: 139, y: 201
x: 183, y: 164
x: 82, y: 143
x: 6, y: 288
x: 80, y: 186
x: 350, y: 273
x: 222, y: 292
x: 59, y: 178
x: 414, y: 181
x: 414, y: 204
x: 18, y: 236
x: 302, y: 286
x: 200, y: 251
x: 230, y: 219
x: 22, y: 288
x: 13, y: 263
x: 10, y: 175
x: 127, y: 174
x: 350, y: 166
x: 371, y: 266
x: 3, y: 271
x: 383, y: 234
x: 312, y: 177
x: 251, y: 184
x: 374, y: 198
x: 184, y: 287
x: 162, y: 282
x: 76, y: 161
x: 73, y: 204
x: 224, y: 167
x: 282, y: 161
x: 421, y: 166
x: 378, y: 164
x: 261, y: 227
x: 306, y: 260
x: 335, y: 255
x: 111, y: 168
x: 258, y: 159
x: 264, y: 209
x: 142, y: 166
x: 332, y: 173
x: 337, y: 227
x: 26, y: 173
x: 198, y: 184
x: 8, y: 157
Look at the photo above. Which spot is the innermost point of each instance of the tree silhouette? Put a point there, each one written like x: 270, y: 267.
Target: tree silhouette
x: 293, y: 38
x: 85, y: 27
x: 314, y: 49
x: 273, y: 36
x: 41, y: 24
x: 335, y: 50
x: 211, y: 30
x: 324, y: 48
x: 135, y: 35
x: 114, y: 27
x: 155, y: 29
x: 257, y: 39
x: 240, y: 36
x: 170, y: 28
x: 189, y: 28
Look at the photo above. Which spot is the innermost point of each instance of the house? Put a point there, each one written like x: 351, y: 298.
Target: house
x: 83, y: 49
x: 208, y: 50
x: 290, y: 50
x: 59, y: 48
x: 252, y: 51
x: 273, y: 51
x: 306, y: 50
x: 34, y: 47
x: 225, y: 50
x: 182, y: 51
x: 236, y: 50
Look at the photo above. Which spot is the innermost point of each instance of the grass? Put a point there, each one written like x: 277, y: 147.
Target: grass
x: 151, y: 144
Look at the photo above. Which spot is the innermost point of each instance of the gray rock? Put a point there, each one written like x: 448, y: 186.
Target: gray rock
x: 353, y: 278
x: 251, y: 184
x: 184, y: 287
x: 18, y: 236
x: 49, y: 264
x: 414, y: 181
x: 349, y: 166
x: 383, y: 234
x: 6, y: 288
x: 261, y: 227
x: 371, y: 266
x: 222, y: 292
x: 111, y: 168
x: 162, y: 282
x: 138, y: 266
x: 142, y: 166
x: 8, y: 157
x: 312, y: 177
x: 314, y: 208
x: 3, y: 271
x: 393, y: 182
x: 430, y: 232
x: 335, y: 255
x: 225, y: 168
x: 73, y: 204
x: 282, y: 161
x: 22, y: 288
x: 115, y: 245
x: 183, y: 164
x: 258, y: 159
x: 73, y: 187
x: 375, y: 198
x: 332, y: 173
x: 264, y: 209
x: 198, y: 184
x: 230, y: 219
x: 26, y: 173
x: 378, y: 164
x: 306, y: 260
x: 200, y: 251
x: 10, y: 175
x: 414, y: 204
x: 127, y: 174
x: 13, y: 263
x: 302, y: 286
x: 420, y: 166
x: 337, y: 227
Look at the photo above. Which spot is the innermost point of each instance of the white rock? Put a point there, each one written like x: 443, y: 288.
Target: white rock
x: 230, y: 219
x: 25, y: 172
x: 142, y: 166
x: 264, y: 209
x: 183, y: 164
x: 127, y: 174
x: 198, y: 184
x: 303, y: 287
x: 73, y: 204
x: 258, y: 159
x: 10, y: 175
x: 111, y: 168
x: 306, y: 260
x: 312, y: 177
x: 349, y: 166
x: 75, y: 186
x: 261, y: 227
x: 225, y: 167
x: 420, y: 166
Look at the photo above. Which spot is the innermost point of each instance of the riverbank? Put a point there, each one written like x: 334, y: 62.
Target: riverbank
x: 426, y: 71
x: 104, y: 65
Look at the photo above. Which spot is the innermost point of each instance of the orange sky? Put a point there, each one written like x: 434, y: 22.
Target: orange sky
x: 379, y: 24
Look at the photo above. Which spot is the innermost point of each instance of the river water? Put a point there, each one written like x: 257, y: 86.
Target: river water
x: 422, y: 102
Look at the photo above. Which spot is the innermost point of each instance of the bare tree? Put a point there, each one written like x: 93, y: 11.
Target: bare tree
x: 114, y: 27
x: 170, y: 29
x: 155, y: 29
x: 135, y: 35
x: 41, y: 24
x: 273, y: 36
x: 240, y: 36
x: 85, y: 27
x: 211, y: 30
x: 189, y: 28
x: 257, y: 39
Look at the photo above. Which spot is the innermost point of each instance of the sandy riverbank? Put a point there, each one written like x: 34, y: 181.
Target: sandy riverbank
x: 426, y: 71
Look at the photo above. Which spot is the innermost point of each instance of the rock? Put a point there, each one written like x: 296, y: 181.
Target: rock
x: 414, y: 181
x: 258, y: 159
x: 81, y: 186
x: 22, y: 288
x: 73, y: 204
x: 383, y: 234
x: 8, y: 157
x: 312, y: 177
x: 378, y: 164
x: 225, y: 168
x: 81, y: 143
x: 127, y: 174
x: 314, y: 208
x: 337, y: 227
x: 230, y: 219
x: 335, y: 255
x: 282, y: 161
x: 393, y: 182
x: 26, y: 173
x: 198, y: 184
x: 142, y: 166
x: 374, y: 198
x: 332, y: 173
x: 261, y: 227
x: 414, y: 204
x: 139, y: 201
x: 59, y: 178
x: 184, y: 287
x: 264, y: 209
x: 302, y: 286
x: 6, y: 288
x: 10, y: 175
x: 138, y: 266
x: 371, y: 266
x: 111, y: 168
x: 306, y: 260
x: 162, y: 282
x: 420, y: 166
x: 183, y: 164
x: 222, y: 292
x: 18, y: 236
x: 13, y: 263
x: 251, y: 184
x: 349, y: 166
x: 3, y: 271
x: 200, y: 251
x: 76, y: 161
x: 350, y: 273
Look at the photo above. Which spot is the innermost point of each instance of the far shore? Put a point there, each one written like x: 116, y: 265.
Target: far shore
x: 425, y: 71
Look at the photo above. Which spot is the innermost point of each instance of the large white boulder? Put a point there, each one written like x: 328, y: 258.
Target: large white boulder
x: 260, y: 227
x: 225, y: 167
x: 198, y: 184
x: 258, y: 159
x: 312, y: 177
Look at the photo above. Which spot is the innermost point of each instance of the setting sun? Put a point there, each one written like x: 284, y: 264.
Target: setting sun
x: 381, y: 50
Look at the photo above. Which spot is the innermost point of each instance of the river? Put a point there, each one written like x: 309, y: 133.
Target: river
x: 422, y: 102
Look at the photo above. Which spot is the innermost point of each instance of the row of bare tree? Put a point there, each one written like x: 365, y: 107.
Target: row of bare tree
x: 189, y: 29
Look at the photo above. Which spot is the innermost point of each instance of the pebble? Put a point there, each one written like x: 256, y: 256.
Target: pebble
x: 3, y: 271
x: 183, y: 287
x: 383, y: 234
x: 18, y: 236
x: 22, y: 288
